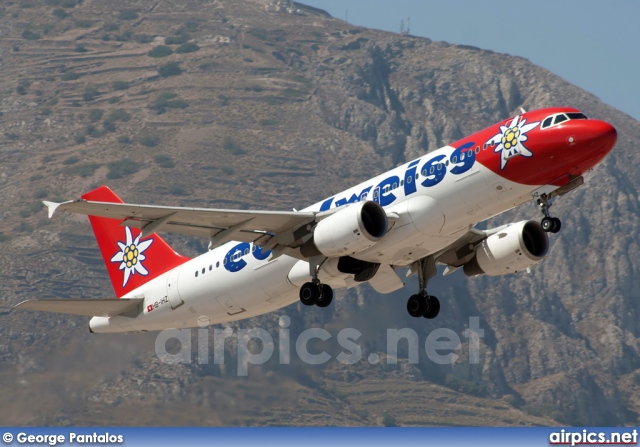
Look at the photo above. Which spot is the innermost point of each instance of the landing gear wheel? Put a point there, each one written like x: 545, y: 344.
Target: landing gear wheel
x: 417, y: 305
x: 325, y: 297
x: 556, y: 225
x: 433, y: 307
x: 547, y: 224
x: 309, y: 294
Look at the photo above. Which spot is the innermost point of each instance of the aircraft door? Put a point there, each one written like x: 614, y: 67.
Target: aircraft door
x: 172, y: 290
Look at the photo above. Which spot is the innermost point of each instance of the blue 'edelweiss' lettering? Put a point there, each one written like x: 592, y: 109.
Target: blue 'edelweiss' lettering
x: 354, y: 198
x: 234, y: 261
x: 409, y: 176
x: 433, y: 170
x: 385, y: 196
x: 463, y: 158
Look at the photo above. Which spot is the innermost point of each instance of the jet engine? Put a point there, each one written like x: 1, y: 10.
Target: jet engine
x: 347, y: 231
x: 514, y: 248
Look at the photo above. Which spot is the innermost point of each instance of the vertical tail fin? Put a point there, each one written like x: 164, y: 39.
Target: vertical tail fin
x: 131, y: 261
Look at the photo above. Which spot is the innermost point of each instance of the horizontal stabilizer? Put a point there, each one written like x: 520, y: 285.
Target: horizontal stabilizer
x: 51, y: 207
x: 90, y: 308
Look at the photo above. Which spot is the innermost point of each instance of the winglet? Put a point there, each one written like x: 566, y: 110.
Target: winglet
x: 52, y: 207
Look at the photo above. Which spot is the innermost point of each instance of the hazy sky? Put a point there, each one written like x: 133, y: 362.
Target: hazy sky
x: 594, y: 44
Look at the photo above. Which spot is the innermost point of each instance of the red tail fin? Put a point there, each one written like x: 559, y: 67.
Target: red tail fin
x: 130, y: 261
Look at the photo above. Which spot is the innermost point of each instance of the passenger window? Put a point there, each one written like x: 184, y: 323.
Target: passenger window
x: 478, y: 150
x: 196, y: 273
x: 224, y: 262
x: 395, y: 185
x: 559, y: 119
x: 386, y: 189
x: 547, y: 122
x: 203, y: 270
x: 409, y: 180
x: 454, y: 160
x: 363, y: 197
x: 462, y: 156
x: 246, y: 251
x: 424, y: 172
x: 431, y: 170
x: 217, y: 264
x: 210, y: 267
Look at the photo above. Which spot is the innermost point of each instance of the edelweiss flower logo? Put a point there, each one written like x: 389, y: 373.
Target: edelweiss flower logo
x: 131, y: 256
x: 511, y: 138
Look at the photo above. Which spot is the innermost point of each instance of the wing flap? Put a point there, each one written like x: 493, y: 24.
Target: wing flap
x: 386, y: 280
x: 109, y: 307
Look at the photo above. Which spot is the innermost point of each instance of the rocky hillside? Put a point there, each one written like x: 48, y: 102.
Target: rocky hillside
x: 224, y: 103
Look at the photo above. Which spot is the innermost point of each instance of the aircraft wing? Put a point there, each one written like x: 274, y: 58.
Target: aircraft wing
x: 462, y: 250
x: 266, y: 228
x: 90, y: 308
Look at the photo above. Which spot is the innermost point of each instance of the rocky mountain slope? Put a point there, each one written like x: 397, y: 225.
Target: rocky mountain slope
x: 223, y: 103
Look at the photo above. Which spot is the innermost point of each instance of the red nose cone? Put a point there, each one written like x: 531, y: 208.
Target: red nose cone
x: 601, y: 136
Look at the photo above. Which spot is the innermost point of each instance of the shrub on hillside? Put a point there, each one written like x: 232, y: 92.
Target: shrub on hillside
x: 60, y: 13
x: 164, y: 161
x: 120, y: 115
x: 160, y: 51
x: 170, y: 69
x: 69, y: 76
x: 95, y: 115
x: 188, y: 47
x: 149, y: 140
x: 30, y: 35
x: 90, y: 93
x: 121, y: 168
x: 127, y: 14
x: 120, y: 85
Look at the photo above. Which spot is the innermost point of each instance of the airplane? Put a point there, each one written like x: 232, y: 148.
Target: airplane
x: 414, y: 217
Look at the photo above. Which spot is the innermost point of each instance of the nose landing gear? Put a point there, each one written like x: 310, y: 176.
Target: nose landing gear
x: 549, y: 224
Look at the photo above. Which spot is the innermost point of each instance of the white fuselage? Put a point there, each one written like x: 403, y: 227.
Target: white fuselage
x: 231, y: 283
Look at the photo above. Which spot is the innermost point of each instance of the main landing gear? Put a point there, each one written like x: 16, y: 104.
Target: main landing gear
x: 422, y: 304
x: 314, y: 293
x: 549, y: 224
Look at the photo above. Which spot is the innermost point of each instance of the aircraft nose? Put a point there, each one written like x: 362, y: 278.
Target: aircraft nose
x: 601, y: 135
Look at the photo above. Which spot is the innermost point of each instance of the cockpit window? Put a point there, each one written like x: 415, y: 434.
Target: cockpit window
x: 577, y: 116
x: 560, y: 118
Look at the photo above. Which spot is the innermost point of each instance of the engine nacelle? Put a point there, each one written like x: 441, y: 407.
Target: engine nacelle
x: 348, y: 231
x: 515, y: 248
